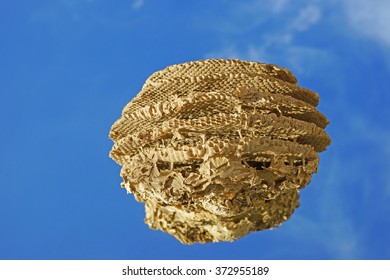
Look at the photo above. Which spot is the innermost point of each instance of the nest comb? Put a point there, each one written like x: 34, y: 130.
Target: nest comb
x: 219, y: 148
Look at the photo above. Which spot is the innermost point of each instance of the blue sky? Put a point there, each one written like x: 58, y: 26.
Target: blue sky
x: 68, y: 67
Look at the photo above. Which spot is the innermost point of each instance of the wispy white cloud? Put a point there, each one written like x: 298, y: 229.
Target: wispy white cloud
x: 303, y: 60
x: 279, y: 5
x: 137, y: 4
x: 278, y: 27
x: 275, y: 45
x: 306, y: 18
x: 369, y: 18
x: 242, y: 17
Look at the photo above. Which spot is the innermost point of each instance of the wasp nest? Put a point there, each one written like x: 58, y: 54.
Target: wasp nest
x: 219, y: 148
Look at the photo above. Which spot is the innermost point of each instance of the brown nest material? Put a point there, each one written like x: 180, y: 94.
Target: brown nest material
x: 219, y: 148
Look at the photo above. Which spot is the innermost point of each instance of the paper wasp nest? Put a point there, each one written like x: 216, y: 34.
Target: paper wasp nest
x: 219, y: 148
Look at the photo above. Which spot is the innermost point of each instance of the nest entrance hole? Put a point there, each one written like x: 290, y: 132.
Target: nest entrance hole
x: 257, y: 164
